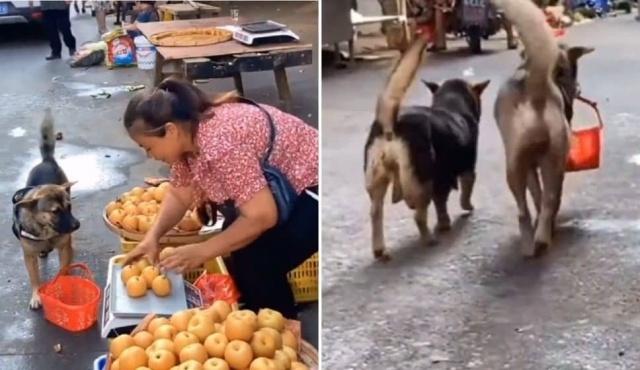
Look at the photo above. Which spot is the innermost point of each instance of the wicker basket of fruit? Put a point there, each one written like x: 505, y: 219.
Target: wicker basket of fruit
x: 133, y: 213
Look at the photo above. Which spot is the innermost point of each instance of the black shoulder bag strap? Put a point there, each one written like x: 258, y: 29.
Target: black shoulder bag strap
x: 283, y: 192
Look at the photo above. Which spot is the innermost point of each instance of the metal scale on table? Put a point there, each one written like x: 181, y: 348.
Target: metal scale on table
x: 264, y: 32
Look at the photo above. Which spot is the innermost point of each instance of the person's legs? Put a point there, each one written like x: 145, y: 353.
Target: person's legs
x: 49, y: 20
x: 64, y: 26
x: 118, y: 5
x: 260, y: 287
x: 101, y: 18
x: 260, y: 269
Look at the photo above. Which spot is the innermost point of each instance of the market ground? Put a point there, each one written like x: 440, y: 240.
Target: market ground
x: 473, y: 301
x: 95, y: 151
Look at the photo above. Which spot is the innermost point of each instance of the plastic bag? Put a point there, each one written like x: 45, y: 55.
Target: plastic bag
x: 216, y: 287
x: 87, y: 58
x: 121, y: 52
x: 90, y: 54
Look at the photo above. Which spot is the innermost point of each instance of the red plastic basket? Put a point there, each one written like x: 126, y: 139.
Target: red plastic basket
x: 71, y: 301
x: 586, y: 144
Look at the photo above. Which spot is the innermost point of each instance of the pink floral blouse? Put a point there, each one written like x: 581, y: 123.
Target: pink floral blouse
x: 232, y: 142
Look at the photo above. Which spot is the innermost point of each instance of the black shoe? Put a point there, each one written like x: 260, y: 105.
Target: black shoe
x: 53, y: 56
x: 72, y: 52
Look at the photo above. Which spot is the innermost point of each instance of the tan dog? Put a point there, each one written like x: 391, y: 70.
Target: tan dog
x: 421, y: 151
x: 42, y: 218
x: 533, y: 112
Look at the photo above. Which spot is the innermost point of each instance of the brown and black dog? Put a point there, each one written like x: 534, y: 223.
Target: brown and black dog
x: 42, y: 218
x: 422, y: 152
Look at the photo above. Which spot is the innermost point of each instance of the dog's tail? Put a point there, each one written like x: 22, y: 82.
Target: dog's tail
x: 540, y: 46
x: 48, y: 137
x: 397, y: 85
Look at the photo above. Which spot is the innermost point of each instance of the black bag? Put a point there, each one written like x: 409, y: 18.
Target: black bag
x: 283, y: 192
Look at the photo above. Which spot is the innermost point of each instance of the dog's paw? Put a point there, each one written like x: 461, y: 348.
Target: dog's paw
x: 535, y: 249
x: 429, y: 241
x: 382, y: 256
x: 443, y: 226
x: 466, y: 206
x: 540, y: 248
x: 35, y: 302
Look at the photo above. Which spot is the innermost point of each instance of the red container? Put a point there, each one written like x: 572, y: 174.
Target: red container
x: 586, y: 144
x: 71, y: 301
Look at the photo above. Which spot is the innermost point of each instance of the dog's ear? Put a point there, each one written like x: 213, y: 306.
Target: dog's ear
x: 67, y: 186
x: 577, y: 52
x: 27, y: 203
x: 478, y: 88
x: 432, y: 86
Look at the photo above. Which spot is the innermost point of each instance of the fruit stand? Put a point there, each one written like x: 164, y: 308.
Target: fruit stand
x: 176, y: 330
x: 213, y: 338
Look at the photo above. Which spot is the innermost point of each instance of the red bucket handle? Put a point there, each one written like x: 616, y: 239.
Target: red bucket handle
x: 594, y: 106
x: 87, y: 274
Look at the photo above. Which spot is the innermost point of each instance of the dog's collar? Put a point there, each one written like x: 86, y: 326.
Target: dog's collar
x: 17, y: 197
x: 26, y: 235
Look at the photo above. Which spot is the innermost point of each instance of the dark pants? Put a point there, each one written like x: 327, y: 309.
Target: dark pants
x: 260, y: 269
x: 58, y: 21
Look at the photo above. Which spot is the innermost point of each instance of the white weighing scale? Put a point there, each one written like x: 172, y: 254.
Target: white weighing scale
x: 260, y: 33
x: 121, y: 312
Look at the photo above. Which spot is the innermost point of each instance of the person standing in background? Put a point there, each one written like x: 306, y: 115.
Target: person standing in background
x: 145, y: 11
x: 56, y: 19
x: 100, y: 7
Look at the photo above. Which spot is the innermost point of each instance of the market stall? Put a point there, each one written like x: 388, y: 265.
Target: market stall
x: 230, y: 57
x: 195, y: 318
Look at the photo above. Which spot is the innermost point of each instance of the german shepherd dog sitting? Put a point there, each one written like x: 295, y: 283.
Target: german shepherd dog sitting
x: 42, y: 218
x: 533, y: 112
x: 422, y: 152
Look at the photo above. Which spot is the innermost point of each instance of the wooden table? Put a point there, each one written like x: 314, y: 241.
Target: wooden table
x: 231, y: 58
x: 171, y: 12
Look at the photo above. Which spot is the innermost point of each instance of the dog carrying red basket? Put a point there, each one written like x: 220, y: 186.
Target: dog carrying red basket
x: 71, y: 301
x: 586, y: 144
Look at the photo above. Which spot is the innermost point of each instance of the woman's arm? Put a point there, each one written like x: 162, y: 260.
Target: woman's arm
x: 257, y: 215
x: 130, y: 27
x: 175, y: 204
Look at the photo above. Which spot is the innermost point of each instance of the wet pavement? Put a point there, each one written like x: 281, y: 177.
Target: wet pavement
x: 96, y: 152
x: 472, y: 302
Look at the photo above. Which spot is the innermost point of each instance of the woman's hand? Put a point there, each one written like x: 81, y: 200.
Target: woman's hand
x: 186, y: 258
x: 148, y: 247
